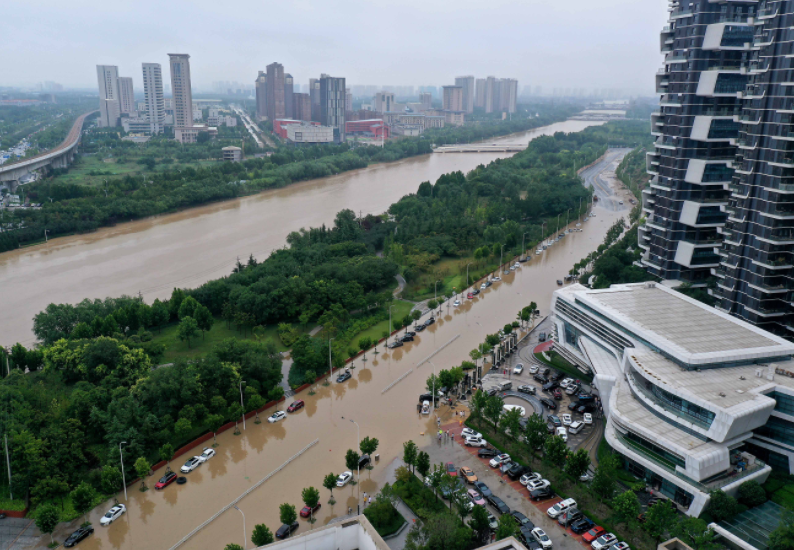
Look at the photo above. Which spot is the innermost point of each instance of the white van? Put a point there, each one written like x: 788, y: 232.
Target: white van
x: 575, y: 427
x: 521, y: 409
x: 560, y: 507
x: 425, y: 407
x: 504, y: 386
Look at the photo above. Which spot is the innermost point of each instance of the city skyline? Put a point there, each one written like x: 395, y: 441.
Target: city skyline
x: 614, y: 55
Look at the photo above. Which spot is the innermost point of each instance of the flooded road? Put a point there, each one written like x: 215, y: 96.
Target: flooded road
x: 186, y: 249
x: 159, y: 519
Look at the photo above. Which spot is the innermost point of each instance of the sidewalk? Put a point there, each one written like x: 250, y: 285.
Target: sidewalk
x: 398, y: 542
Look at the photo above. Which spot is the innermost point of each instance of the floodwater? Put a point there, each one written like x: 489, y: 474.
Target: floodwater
x: 188, y: 248
x: 159, y: 519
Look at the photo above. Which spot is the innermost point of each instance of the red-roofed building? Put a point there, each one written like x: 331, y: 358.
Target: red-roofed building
x: 369, y: 128
x: 280, y: 126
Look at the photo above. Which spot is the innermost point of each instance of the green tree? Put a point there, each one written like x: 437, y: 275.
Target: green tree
x: 83, y: 498
x: 507, y: 527
x: 351, y: 460
x: 603, y: 484
x: 722, y: 506
x: 311, y: 497
x: 182, y: 429
x: 364, y: 344
x: 166, y: 452
x: 47, y: 519
x: 660, y: 519
x: 261, y: 535
x: 423, y: 463
x: 416, y: 314
x: 782, y: 538
x: 204, y: 319
x: 511, y: 423
x: 111, y: 480
x: 369, y: 445
x: 535, y: 433
x: 751, y: 494
x: 480, y: 525
x: 329, y: 482
x: 410, y: 454
x: 287, y: 514
x: 275, y: 395
x: 160, y: 314
x: 407, y: 321
x: 695, y: 533
x: 187, y: 329
x: 478, y: 403
x: 462, y: 504
x: 556, y: 450
x: 50, y: 487
x: 231, y: 545
x: 142, y: 468
x: 188, y: 308
x: 625, y: 506
x: 432, y: 304
x: 578, y: 463
x: 214, y: 423
x: 494, y: 405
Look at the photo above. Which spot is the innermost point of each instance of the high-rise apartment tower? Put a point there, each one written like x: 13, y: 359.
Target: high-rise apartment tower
x: 109, y: 101
x: 153, y: 95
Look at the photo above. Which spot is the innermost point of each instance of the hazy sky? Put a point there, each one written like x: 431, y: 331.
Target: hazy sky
x: 566, y: 43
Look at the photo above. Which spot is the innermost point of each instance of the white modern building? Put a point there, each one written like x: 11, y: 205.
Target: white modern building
x: 126, y: 95
x: 182, y: 97
x: 109, y: 101
x: 695, y: 400
x: 309, y: 133
x: 153, y: 93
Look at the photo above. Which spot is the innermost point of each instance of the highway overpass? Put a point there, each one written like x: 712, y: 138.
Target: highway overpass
x: 58, y: 157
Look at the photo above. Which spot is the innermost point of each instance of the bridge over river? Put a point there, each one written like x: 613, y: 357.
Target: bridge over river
x: 482, y: 148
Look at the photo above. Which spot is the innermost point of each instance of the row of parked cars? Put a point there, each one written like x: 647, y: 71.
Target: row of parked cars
x: 409, y: 335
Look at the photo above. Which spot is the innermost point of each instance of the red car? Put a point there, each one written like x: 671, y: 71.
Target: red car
x: 295, y: 406
x: 557, y: 394
x: 306, y: 511
x: 166, y: 480
x: 593, y: 534
x: 470, y: 296
x: 451, y: 469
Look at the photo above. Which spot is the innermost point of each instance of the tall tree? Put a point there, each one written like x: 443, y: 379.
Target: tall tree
x: 556, y: 450
x: 423, y: 463
x: 261, y: 535
x: 535, y: 433
x: 47, y: 519
x: 494, y: 406
x: 204, y: 319
x: 625, y: 506
x: 410, y: 454
x: 329, y: 482
x: 660, y: 519
x: 479, y: 524
x: 351, y: 460
x: 83, y: 498
x: 369, y: 445
x: 187, y: 329
x: 507, y: 527
x: 287, y: 514
x: 578, y: 463
x: 311, y: 497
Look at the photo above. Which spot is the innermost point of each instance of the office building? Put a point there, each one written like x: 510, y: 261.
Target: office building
x: 303, y: 107
x: 467, y: 84
x: 332, y: 105
x: 756, y: 271
x: 275, y: 91
x: 289, y: 93
x: 348, y: 100
x: 479, y: 93
x: 260, y: 86
x: 153, y: 95
x: 706, y: 45
x: 232, y: 154
x: 126, y: 95
x: 109, y: 101
x: 426, y: 100
x: 384, y: 102
x: 314, y: 94
x: 452, y: 98
x: 490, y: 84
x: 696, y: 400
x: 508, y: 94
x: 307, y: 132
x: 182, y: 95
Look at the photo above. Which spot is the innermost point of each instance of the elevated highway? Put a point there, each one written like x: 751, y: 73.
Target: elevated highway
x: 482, y: 148
x: 57, y: 157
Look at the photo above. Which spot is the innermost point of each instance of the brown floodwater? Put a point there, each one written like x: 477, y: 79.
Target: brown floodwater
x: 158, y: 519
x: 188, y: 248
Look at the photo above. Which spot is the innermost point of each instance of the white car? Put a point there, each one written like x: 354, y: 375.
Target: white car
x: 604, y: 541
x: 343, y: 479
x: 518, y: 369
x: 475, y: 442
x: 563, y: 433
x: 517, y: 265
x: 566, y: 419
x: 588, y: 418
x: 190, y: 465
x: 538, y: 484
x: 587, y: 476
x: 276, y: 416
x: 540, y: 535
x: 497, y: 278
x: 527, y: 478
x: 620, y: 546
x: 468, y: 432
x: 207, y: 454
x: 499, y: 460
x: 113, y: 514
x: 566, y: 382
x: 456, y: 303
x: 534, y: 369
x: 483, y: 286
x: 560, y: 507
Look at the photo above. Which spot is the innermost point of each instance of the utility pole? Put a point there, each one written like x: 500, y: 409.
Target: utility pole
x: 330, y: 368
x: 8, y: 462
x: 123, y: 477
x: 242, y: 406
x: 245, y: 533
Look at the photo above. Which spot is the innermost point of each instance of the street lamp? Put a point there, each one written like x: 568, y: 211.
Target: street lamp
x: 358, y: 468
x: 467, y: 274
x: 330, y: 367
x: 245, y: 533
x: 435, y: 293
x: 241, y: 401
x: 123, y: 477
x: 387, y: 337
x: 501, y: 252
x: 523, y: 244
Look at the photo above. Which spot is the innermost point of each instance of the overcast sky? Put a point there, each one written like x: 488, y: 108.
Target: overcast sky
x: 565, y: 43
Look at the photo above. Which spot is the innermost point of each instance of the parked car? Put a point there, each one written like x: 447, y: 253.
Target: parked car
x: 565, y: 383
x: 588, y: 418
x: 540, y: 378
x: 582, y: 525
x: 505, y: 466
x: 521, y: 519
x: 410, y: 333
x: 562, y: 432
x: 568, y: 518
x: 593, y: 533
x: 572, y: 389
x: 468, y: 474
x: 499, y: 504
x: 485, y: 453
x: 518, y: 369
x: 276, y: 416
x: 430, y: 321
x: 470, y: 296
x: 538, y: 484
x: 526, y: 478
x: 77, y: 536
x: 475, y: 291
x: 585, y: 398
x: 604, y: 541
x: 166, y: 480
x: 541, y: 494
x: 296, y: 405
x: 542, y: 337
x: 419, y: 327
x: 516, y: 471
x: 560, y: 507
x: 548, y: 386
x: 475, y: 497
x: 483, y: 489
x: 407, y: 338
x: 344, y: 377
x: 550, y: 404
x: 499, y: 460
x: 451, y: 471
x: 343, y: 479
x: 207, y: 454
x: 526, y: 538
x: 395, y: 344
x: 620, y: 546
x: 286, y: 530
x: 554, y: 420
x: 190, y: 465
x: 492, y: 523
x: 468, y: 432
x: 566, y: 419
x: 363, y: 461
x: 475, y: 442
x: 557, y: 394
x: 113, y: 514
x: 308, y: 512
x: 541, y: 536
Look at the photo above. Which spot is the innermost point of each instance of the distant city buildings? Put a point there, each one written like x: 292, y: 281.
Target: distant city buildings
x: 332, y: 104
x: 384, y: 102
x: 232, y: 154
x: 426, y: 99
x: 153, y: 95
x: 184, y: 129
x: 452, y: 99
x: 126, y: 95
x: 109, y: 103
x: 467, y: 85
x: 260, y: 86
x: 289, y: 96
x: 303, y: 107
x: 275, y: 91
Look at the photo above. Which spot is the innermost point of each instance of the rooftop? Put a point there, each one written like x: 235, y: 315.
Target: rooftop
x: 752, y: 527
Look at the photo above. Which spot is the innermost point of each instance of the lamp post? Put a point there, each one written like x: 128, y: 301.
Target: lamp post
x: 330, y: 367
x: 434, y: 384
x: 358, y: 468
x: 523, y: 244
x: 387, y: 337
x: 123, y: 477
x: 467, y: 274
x: 242, y: 405
x: 501, y: 252
x: 245, y: 533
x: 435, y: 291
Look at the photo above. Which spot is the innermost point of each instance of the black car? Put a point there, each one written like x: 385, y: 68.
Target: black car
x: 407, y: 338
x: 517, y: 470
x: 419, y: 328
x: 286, y: 530
x: 77, y: 536
x: 550, y: 404
x: 557, y: 376
x: 483, y: 489
x: 540, y: 378
x: 554, y: 419
x: 585, y: 397
x: 476, y: 291
x: 486, y: 452
x: 488, y: 283
x: 430, y: 321
x: 548, y: 386
x: 425, y: 397
x: 582, y: 525
x: 363, y: 461
x: 541, y: 494
x: 545, y: 371
x: 525, y: 536
x: 585, y: 408
x: 492, y: 392
x: 527, y: 389
x: 499, y: 504
x: 550, y: 428
x: 395, y: 344
x: 573, y: 405
x: 344, y: 376
x: 410, y: 333
x: 522, y: 520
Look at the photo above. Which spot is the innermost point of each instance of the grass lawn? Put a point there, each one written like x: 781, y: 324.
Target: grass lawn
x: 401, y: 309
x: 558, y: 362
x: 79, y: 173
x: 452, y: 274
x: 6, y: 503
x: 175, y: 348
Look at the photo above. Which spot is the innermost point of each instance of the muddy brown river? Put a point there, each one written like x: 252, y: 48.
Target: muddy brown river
x: 159, y: 519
